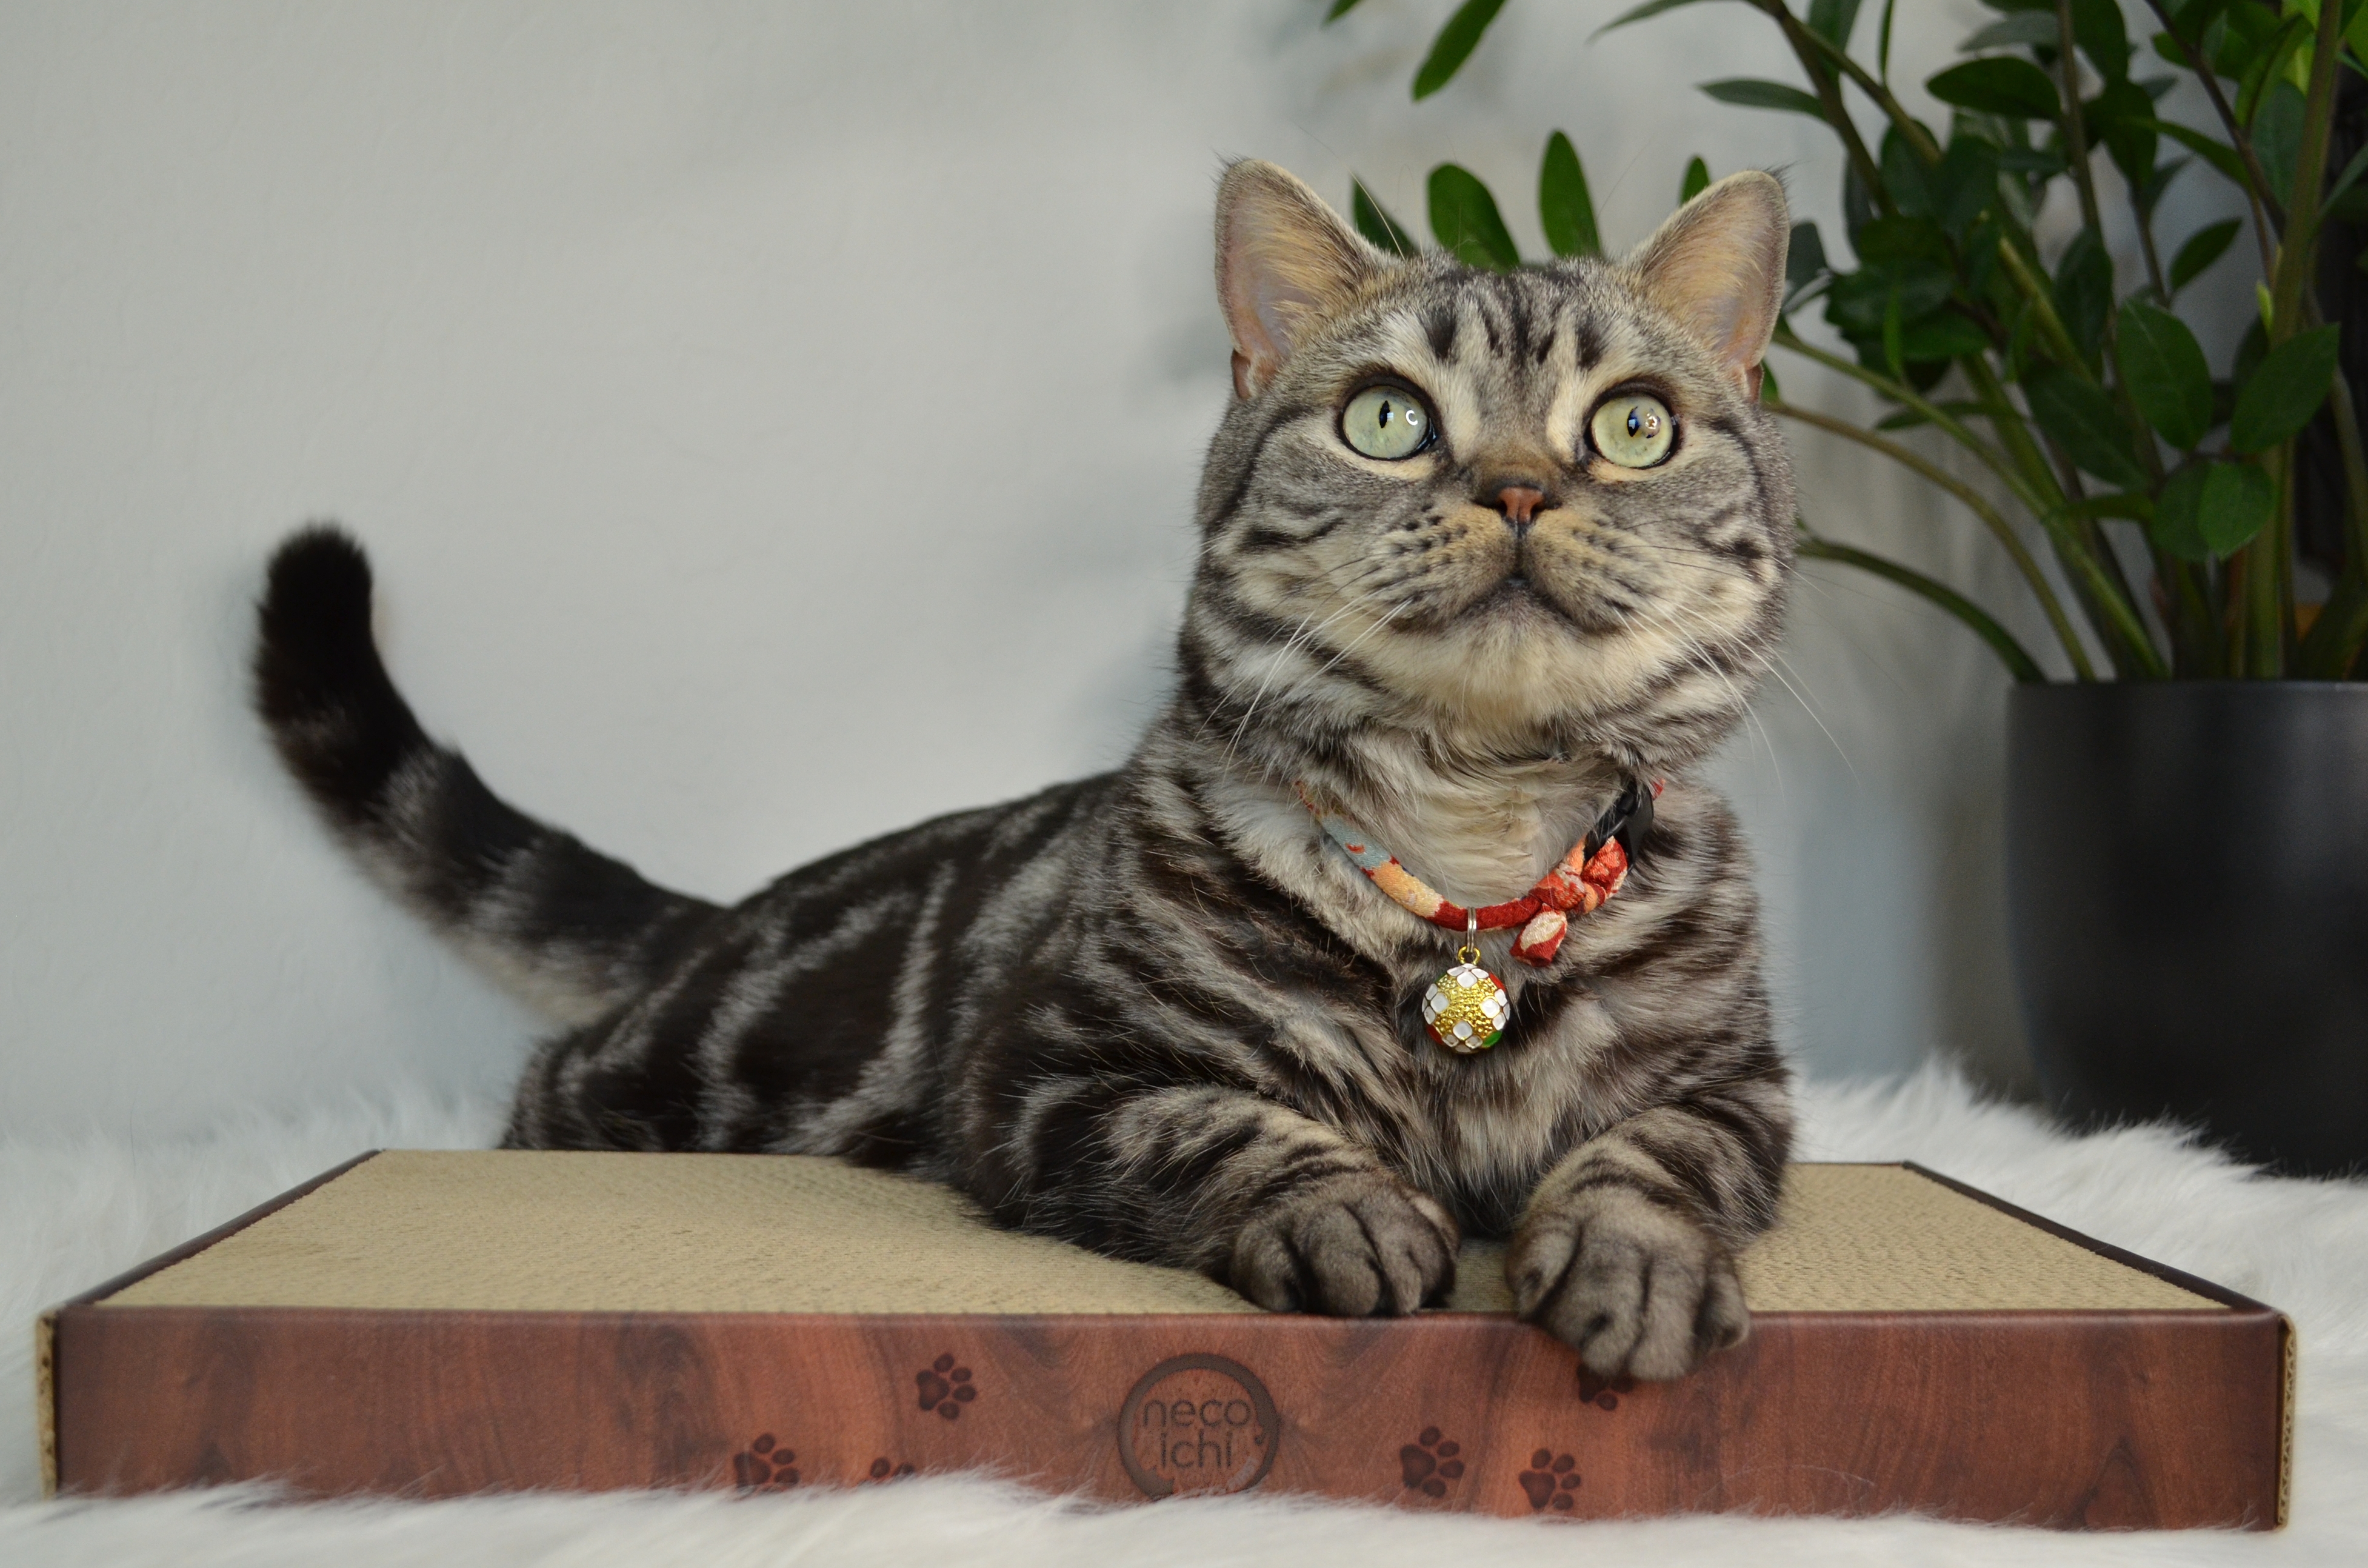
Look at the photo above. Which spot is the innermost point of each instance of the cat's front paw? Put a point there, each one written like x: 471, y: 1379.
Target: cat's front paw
x: 1362, y: 1244
x: 1637, y: 1289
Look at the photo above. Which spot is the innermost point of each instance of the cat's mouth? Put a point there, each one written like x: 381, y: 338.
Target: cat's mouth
x: 1516, y: 596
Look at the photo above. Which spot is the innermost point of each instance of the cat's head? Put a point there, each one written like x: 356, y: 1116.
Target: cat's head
x: 1514, y: 510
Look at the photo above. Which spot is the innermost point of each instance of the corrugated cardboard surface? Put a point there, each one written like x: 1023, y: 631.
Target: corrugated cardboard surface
x: 566, y: 1231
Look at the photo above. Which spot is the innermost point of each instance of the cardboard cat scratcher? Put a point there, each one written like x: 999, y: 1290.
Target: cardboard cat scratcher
x: 429, y: 1324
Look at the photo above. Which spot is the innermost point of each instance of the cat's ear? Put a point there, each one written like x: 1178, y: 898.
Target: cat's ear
x: 1284, y: 261
x: 1718, y: 266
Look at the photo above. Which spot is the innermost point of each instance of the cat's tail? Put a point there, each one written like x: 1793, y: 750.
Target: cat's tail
x: 570, y: 929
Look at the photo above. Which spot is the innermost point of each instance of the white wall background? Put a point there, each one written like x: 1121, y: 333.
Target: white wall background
x: 773, y: 422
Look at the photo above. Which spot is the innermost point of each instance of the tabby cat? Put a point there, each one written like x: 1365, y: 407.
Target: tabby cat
x: 1479, y: 552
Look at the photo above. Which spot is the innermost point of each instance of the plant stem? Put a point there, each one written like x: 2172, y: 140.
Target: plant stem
x: 2267, y: 211
x: 1948, y: 424
x: 2034, y: 482
x: 2189, y: 612
x: 2042, y: 301
x: 2335, y: 639
x: 1829, y: 97
x: 2297, y: 260
x: 2144, y: 221
x: 1917, y: 137
x: 2355, y: 470
x: 2017, y: 661
x: 2075, y: 135
x: 2264, y: 630
x: 2269, y: 573
x: 2075, y: 541
x: 1977, y: 503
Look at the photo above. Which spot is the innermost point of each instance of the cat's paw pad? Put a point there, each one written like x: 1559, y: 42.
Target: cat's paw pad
x: 765, y: 1466
x: 1638, y: 1291
x: 1430, y: 1463
x: 1550, y: 1481
x: 945, y: 1387
x: 1362, y: 1244
x: 1602, y: 1392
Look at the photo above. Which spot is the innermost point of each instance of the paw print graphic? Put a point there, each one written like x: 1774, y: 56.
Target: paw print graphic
x: 885, y: 1468
x: 765, y: 1466
x: 1603, y: 1393
x: 1550, y: 1480
x: 945, y: 1388
x: 1429, y: 1463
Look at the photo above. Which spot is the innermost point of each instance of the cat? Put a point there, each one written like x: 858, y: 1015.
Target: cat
x: 1481, y: 553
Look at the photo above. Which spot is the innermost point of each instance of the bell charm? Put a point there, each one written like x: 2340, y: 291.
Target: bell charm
x: 1465, y: 1009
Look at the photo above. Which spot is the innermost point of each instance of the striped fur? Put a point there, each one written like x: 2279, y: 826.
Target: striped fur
x: 1155, y: 1012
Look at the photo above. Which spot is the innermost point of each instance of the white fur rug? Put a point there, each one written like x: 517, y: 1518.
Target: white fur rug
x: 75, y: 1212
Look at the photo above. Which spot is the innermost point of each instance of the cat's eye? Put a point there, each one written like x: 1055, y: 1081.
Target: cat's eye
x: 1632, y: 429
x: 1387, y: 421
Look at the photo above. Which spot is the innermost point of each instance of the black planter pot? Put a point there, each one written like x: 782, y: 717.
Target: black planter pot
x: 2187, y: 880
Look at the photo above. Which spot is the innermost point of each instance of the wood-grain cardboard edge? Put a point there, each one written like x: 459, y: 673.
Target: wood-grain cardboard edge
x: 2287, y: 1349
x: 45, y: 1327
x: 2071, y: 1419
x: 2262, y: 1331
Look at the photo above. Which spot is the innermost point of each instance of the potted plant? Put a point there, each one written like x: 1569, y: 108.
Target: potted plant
x: 2187, y: 808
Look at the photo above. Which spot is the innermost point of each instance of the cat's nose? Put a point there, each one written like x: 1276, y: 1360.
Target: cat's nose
x: 1519, y: 499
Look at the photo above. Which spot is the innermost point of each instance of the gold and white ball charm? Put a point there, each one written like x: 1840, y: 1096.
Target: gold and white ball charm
x: 1465, y: 1009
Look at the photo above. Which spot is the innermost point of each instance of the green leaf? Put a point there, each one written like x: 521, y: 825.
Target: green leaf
x: 1464, y: 218
x: 1964, y: 184
x: 2121, y: 504
x: 2175, y: 528
x: 1998, y: 85
x: 2164, y: 368
x: 2098, y: 29
x: 2238, y: 501
x: 1805, y: 258
x: 2212, y: 510
x: 2246, y: 34
x: 1563, y: 205
x: 1832, y: 20
x: 1455, y: 45
x: 2084, y: 291
x: 1904, y: 245
x: 1649, y: 8
x: 2045, y: 162
x: 2202, y: 248
x: 1903, y: 176
x: 1749, y: 92
x: 2149, y: 192
x: 2021, y: 31
x: 2219, y: 155
x: 2121, y: 118
x: 1857, y: 202
x: 2277, y: 136
x: 1373, y: 221
x: 2285, y: 391
x: 2083, y: 421
x: 1341, y: 8
x: 2261, y: 76
x: 1697, y: 180
x: 2252, y: 349
x: 1944, y: 335
x: 1860, y: 300
x: 2344, y: 182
